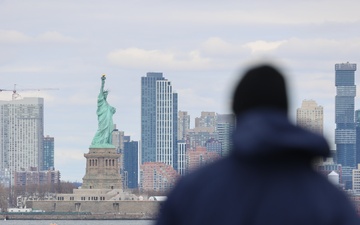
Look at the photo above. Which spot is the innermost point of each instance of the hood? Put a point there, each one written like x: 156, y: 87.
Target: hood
x: 270, y: 134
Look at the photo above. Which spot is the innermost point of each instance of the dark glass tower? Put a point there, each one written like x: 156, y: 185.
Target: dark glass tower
x: 48, y: 153
x: 131, y: 163
x: 345, y: 135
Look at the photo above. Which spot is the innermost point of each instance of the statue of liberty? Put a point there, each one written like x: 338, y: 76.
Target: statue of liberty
x: 105, y: 112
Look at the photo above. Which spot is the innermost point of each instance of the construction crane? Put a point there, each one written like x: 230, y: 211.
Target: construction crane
x: 15, y: 94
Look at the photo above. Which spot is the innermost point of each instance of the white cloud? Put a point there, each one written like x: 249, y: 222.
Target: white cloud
x: 158, y: 59
x: 261, y: 46
x: 13, y: 36
x: 17, y: 37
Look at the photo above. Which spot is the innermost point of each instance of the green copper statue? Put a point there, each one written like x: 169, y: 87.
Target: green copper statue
x: 105, y: 112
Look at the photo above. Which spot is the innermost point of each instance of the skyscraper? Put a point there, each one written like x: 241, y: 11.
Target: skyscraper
x: 21, y: 134
x: 118, y: 142
x: 183, y: 124
x: 310, y: 116
x: 181, y: 158
x: 199, y: 136
x: 158, y: 120
x: 357, y: 129
x: 131, y: 164
x: 345, y: 138
x: 148, y: 116
x: 118, y: 139
x: 48, y: 153
x: 207, y: 119
x: 225, y: 127
x: 356, y: 179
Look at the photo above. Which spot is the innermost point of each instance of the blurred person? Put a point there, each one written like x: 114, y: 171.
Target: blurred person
x: 268, y: 178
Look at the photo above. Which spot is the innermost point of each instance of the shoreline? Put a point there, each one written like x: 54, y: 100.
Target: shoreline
x: 25, y: 216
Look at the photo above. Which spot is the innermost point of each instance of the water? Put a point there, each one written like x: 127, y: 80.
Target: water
x: 77, y: 222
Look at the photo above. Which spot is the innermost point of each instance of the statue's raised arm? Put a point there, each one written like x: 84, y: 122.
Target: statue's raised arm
x: 105, y: 112
x: 103, y: 78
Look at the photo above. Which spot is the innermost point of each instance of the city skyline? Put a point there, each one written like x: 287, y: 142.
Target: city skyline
x: 202, y: 47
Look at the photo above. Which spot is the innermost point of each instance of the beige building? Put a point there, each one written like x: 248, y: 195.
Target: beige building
x: 207, y: 119
x: 310, y: 116
x: 183, y: 124
x: 356, y: 179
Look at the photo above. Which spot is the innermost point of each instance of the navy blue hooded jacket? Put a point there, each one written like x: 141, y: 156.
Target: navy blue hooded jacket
x: 267, y: 179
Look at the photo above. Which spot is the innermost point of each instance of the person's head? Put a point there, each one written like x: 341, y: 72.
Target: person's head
x: 262, y: 86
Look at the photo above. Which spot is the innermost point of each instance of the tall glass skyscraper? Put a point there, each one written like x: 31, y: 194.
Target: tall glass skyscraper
x: 48, y: 153
x: 158, y: 120
x: 225, y: 127
x: 21, y: 134
x: 345, y: 135
x: 131, y: 164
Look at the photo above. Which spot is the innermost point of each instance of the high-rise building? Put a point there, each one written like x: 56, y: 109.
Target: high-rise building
x: 183, y: 124
x: 213, y: 145
x: 207, y: 119
x: 48, y: 153
x: 21, y: 134
x: 118, y: 139
x: 181, y: 158
x: 310, y: 116
x: 157, y: 176
x: 200, y: 157
x: 345, y: 138
x: 357, y: 131
x: 131, y: 164
x: 158, y: 120
x: 199, y: 136
x: 225, y: 127
x: 148, y: 116
x: 356, y: 179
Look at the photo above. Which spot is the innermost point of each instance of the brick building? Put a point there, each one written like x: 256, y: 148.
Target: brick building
x: 156, y: 176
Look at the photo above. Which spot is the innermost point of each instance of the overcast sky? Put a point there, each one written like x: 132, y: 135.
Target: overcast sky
x: 201, y: 46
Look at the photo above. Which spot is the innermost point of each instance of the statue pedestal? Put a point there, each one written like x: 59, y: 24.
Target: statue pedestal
x: 102, y: 169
